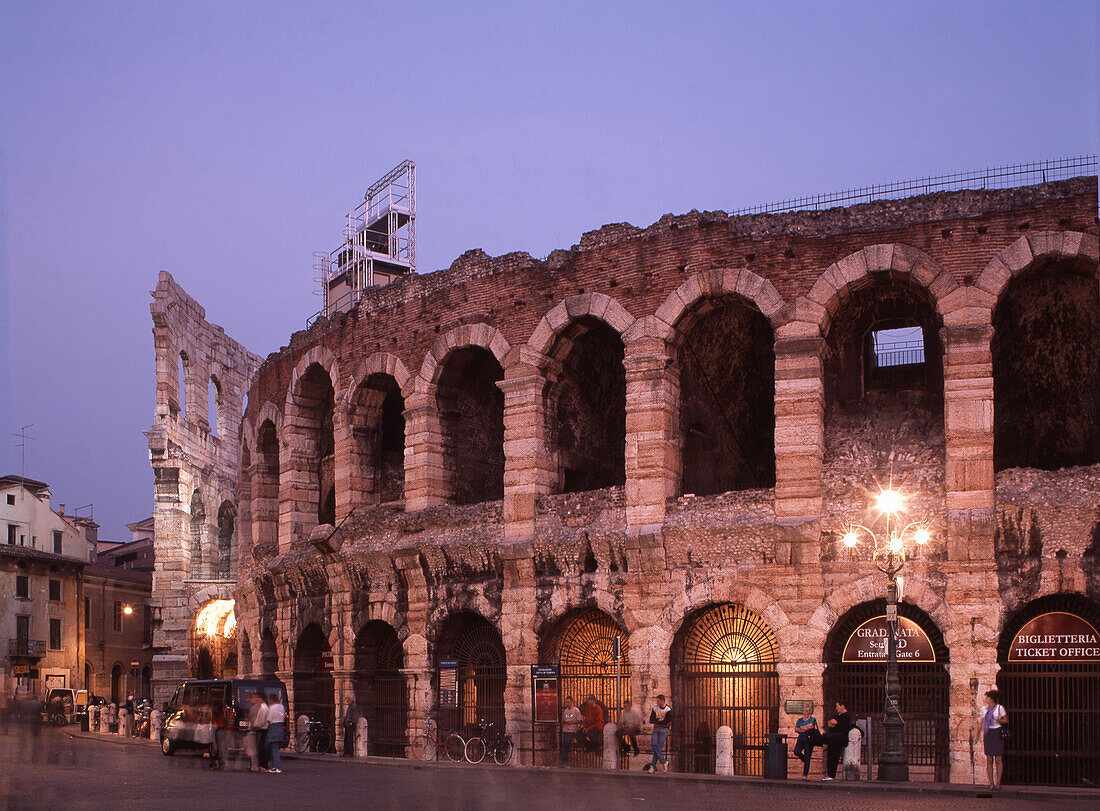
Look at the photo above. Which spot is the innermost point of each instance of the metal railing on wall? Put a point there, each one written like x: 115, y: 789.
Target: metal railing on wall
x: 998, y: 177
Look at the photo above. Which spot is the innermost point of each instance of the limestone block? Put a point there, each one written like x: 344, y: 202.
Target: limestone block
x: 1017, y: 256
x: 610, y: 747
x: 361, y: 747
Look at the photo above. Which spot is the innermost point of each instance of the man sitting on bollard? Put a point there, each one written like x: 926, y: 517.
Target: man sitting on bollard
x: 592, y: 728
x: 630, y: 726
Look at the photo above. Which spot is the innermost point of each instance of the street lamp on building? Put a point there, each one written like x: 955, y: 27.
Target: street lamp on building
x: 891, y: 548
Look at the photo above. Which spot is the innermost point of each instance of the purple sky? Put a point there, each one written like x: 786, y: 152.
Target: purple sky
x: 224, y: 144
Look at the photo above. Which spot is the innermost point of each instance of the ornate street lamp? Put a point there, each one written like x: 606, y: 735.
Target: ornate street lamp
x: 890, y: 550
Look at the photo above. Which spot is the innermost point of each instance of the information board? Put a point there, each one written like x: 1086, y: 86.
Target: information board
x: 448, y: 683
x: 1056, y: 636
x: 544, y: 688
x: 868, y: 642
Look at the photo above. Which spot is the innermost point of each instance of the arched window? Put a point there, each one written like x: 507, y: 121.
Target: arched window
x: 181, y: 384
x: 227, y: 541
x: 471, y: 412
x: 199, y: 552
x: 213, y: 404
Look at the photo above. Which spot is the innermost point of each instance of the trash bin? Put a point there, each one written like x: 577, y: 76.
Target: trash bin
x: 775, y: 757
x: 83, y: 722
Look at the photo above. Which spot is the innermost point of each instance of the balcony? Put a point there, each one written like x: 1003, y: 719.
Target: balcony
x: 27, y: 648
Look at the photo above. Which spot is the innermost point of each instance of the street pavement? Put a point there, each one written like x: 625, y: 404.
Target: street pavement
x: 62, y: 772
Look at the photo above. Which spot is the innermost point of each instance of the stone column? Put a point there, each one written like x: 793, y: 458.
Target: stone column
x: 345, y: 464
x: 518, y: 602
x: 652, y: 432
x: 264, y: 506
x: 968, y: 426
x: 425, y: 484
x: 342, y: 687
x: 799, y: 433
x: 610, y: 746
x: 529, y: 469
x: 297, y: 499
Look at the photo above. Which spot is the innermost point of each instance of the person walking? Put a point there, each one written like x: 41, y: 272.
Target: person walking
x: 571, y: 719
x: 836, y: 740
x: 630, y: 726
x: 351, y: 725
x: 661, y: 718
x: 993, y: 718
x: 276, y: 731
x: 808, y: 737
x: 254, y: 742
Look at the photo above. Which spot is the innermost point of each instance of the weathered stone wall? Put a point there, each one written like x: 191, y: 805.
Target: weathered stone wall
x: 642, y: 552
x: 195, y: 472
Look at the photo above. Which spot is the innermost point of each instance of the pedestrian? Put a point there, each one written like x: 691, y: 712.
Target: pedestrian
x: 836, y: 740
x: 809, y: 736
x: 254, y: 742
x: 592, y: 726
x: 993, y: 719
x: 661, y: 718
x: 276, y: 731
x: 571, y: 719
x: 630, y: 726
x: 351, y: 725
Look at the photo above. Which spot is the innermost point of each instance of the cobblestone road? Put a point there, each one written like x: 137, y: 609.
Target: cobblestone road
x: 81, y: 773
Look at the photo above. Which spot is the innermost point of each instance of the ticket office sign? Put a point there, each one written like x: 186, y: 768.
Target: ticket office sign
x: 1056, y: 636
x: 868, y: 642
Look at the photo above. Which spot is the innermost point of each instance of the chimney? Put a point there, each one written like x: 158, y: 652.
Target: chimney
x: 60, y: 509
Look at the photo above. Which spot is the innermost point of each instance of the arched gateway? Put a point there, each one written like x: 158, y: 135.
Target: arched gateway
x: 723, y: 674
x: 1049, y: 654
x: 855, y: 674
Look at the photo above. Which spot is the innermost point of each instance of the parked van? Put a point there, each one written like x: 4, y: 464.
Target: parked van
x: 202, y: 708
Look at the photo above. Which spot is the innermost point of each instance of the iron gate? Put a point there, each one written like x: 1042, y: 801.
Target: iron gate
x: 381, y: 690
x: 481, y: 678
x: 924, y: 700
x: 726, y: 676
x: 744, y: 697
x: 1054, y: 714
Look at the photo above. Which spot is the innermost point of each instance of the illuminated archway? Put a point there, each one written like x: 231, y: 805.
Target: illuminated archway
x: 213, y: 641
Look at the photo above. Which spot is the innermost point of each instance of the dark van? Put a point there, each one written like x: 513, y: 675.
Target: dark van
x: 202, y: 708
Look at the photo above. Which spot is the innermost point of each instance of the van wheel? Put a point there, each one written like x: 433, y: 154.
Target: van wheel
x: 166, y: 746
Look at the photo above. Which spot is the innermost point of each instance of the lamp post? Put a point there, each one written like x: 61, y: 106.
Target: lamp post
x: 890, y: 550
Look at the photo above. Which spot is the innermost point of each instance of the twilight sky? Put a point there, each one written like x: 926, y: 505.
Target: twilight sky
x: 224, y: 142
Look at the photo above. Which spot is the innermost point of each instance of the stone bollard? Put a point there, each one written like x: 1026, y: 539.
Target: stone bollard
x: 361, y: 748
x: 301, y: 724
x: 853, y: 754
x: 104, y: 715
x: 112, y: 717
x: 123, y: 723
x: 610, y: 746
x: 93, y: 718
x: 155, y: 717
x: 723, y: 751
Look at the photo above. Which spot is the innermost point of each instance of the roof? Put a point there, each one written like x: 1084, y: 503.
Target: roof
x: 118, y: 573
x: 11, y: 480
x: 25, y: 553
x: 142, y: 525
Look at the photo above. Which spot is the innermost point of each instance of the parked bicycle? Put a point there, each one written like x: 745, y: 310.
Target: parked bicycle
x: 431, y: 742
x: 314, y: 738
x: 140, y: 727
x: 490, y: 741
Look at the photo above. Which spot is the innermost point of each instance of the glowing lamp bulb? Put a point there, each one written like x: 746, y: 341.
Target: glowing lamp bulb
x: 128, y: 610
x: 850, y: 539
x: 922, y: 536
x: 896, y: 545
x: 889, y: 501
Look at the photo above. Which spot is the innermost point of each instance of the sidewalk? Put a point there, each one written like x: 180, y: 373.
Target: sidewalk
x: 633, y: 777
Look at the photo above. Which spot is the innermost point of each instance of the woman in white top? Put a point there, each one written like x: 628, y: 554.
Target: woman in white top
x: 993, y: 717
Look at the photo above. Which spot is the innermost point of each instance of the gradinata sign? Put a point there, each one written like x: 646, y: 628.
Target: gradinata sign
x: 868, y: 642
x: 1056, y: 636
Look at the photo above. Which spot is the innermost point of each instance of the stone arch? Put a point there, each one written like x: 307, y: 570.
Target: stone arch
x: 592, y: 305
x: 380, y: 363
x: 744, y: 284
x: 199, y: 536
x: 379, y: 686
x: 481, y: 675
x: 867, y: 589
x: 314, y: 685
x: 269, y: 412
x: 1021, y: 255
x: 469, y: 335
x: 686, y: 606
x: 227, y: 540
x: 561, y: 603
x: 812, y: 314
x: 323, y: 357
x: 308, y: 474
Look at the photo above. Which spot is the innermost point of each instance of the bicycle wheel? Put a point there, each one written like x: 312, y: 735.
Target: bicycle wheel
x: 324, y: 742
x: 423, y: 748
x: 454, y: 747
x: 502, y: 752
x: 475, y: 750
x: 301, y: 742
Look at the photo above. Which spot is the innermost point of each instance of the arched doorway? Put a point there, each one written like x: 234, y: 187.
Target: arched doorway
x: 1051, y: 691
x: 204, y: 664
x: 723, y: 674
x: 471, y: 673
x: 213, y: 641
x: 380, y: 688
x: 583, y: 645
x: 855, y: 674
x: 314, y: 689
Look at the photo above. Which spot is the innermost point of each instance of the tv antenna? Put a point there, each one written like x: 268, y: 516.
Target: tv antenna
x: 22, y: 445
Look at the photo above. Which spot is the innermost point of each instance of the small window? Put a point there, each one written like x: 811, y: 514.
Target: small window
x: 11, y: 498
x: 13, y: 530
x: 117, y: 616
x: 55, y: 591
x: 22, y: 540
x: 87, y: 613
x: 34, y: 542
x: 56, y: 542
x: 22, y: 586
x: 55, y: 634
